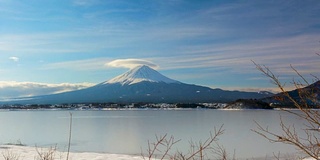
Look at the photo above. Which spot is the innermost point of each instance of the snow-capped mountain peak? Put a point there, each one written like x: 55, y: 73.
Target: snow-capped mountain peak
x: 139, y: 74
x: 148, y: 86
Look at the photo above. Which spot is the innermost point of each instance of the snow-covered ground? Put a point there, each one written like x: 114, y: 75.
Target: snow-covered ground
x: 17, y: 152
x: 31, y: 153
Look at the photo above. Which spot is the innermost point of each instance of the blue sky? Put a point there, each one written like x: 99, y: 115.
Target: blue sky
x: 53, y: 46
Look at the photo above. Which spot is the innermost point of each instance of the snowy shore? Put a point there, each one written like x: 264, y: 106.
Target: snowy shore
x: 31, y: 153
x: 17, y: 152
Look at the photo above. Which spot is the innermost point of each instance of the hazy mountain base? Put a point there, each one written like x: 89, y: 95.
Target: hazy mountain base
x: 248, y: 104
x: 115, y: 106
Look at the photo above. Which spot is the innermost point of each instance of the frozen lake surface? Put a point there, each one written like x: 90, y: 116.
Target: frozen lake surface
x: 128, y: 131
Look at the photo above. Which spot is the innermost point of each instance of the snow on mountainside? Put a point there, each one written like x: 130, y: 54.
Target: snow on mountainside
x: 140, y: 74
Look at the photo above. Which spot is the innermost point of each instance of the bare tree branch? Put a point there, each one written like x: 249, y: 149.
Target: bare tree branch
x: 309, y: 142
x: 163, y: 146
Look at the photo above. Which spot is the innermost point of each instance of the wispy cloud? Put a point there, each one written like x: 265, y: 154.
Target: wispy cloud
x: 80, y: 65
x: 13, y: 89
x: 84, y: 2
x: 277, y: 53
x: 54, y: 42
x: 269, y: 89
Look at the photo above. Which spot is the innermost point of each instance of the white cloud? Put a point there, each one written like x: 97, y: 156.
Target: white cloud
x: 13, y: 89
x: 131, y: 63
x: 15, y: 59
x: 82, y: 65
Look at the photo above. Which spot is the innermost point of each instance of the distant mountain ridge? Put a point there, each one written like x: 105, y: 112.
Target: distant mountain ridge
x: 142, y: 84
x: 309, y: 94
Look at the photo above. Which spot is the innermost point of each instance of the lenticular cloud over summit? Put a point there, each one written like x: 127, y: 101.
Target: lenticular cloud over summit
x: 131, y: 63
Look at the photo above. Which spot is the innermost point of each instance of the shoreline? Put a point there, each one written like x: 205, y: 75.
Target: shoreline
x: 140, y: 109
x: 22, y: 152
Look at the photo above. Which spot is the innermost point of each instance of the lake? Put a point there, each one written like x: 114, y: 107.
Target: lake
x: 128, y: 131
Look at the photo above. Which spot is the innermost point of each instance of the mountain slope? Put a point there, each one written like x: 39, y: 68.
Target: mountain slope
x: 142, y: 84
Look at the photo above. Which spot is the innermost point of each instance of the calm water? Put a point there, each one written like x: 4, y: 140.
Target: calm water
x: 128, y: 131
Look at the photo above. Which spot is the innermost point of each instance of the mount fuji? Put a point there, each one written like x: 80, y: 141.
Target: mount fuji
x: 142, y: 84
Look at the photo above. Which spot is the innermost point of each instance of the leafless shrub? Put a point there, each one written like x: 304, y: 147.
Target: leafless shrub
x: 9, y: 155
x: 160, y: 148
x: 198, y: 150
x: 46, y: 154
